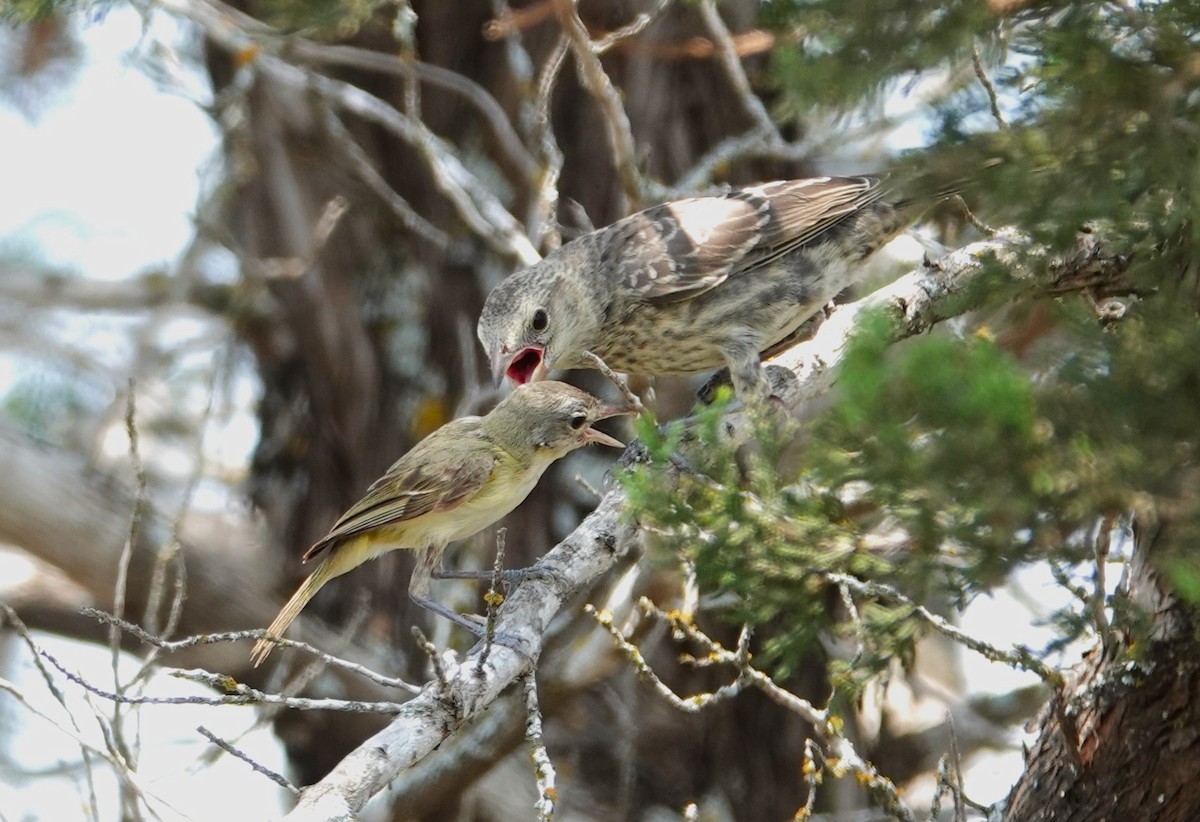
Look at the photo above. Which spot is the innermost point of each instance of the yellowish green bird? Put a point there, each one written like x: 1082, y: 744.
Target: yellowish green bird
x: 460, y: 479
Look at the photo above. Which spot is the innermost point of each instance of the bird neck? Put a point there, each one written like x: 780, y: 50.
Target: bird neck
x: 578, y: 305
x: 506, y: 431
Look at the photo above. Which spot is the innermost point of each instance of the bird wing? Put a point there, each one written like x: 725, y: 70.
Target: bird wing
x: 678, y: 250
x: 411, y: 488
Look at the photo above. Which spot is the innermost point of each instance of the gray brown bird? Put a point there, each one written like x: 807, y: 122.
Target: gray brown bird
x: 689, y: 285
x: 452, y: 484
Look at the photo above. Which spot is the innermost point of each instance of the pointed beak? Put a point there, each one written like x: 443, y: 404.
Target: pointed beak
x: 600, y: 438
x: 609, y: 411
x: 499, y: 366
x: 606, y: 412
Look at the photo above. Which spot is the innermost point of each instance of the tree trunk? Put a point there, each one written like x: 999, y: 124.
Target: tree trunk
x: 1122, y: 741
x: 368, y: 342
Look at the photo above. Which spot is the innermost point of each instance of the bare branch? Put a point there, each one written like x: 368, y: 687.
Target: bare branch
x: 258, y: 767
x: 543, y: 222
x: 1019, y: 657
x: 622, y: 385
x: 600, y: 86
x: 977, y: 63
x: 475, y: 205
x: 171, y: 646
x: 631, y: 29
x: 479, y: 97
x: 372, y: 179
x: 493, y: 598
x: 543, y: 768
x: 731, y: 63
x: 424, y: 723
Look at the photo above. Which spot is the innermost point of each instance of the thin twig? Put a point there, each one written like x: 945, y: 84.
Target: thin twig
x: 170, y: 553
x: 810, y: 769
x: 979, y: 224
x: 841, y: 758
x: 600, y: 86
x: 1019, y: 657
x: 275, y: 777
x: 431, y: 651
x: 960, y: 811
x: 170, y: 646
x: 731, y: 63
x: 124, y: 773
x: 631, y: 29
x: 587, y: 486
x: 236, y: 693
x: 476, y: 95
x: 622, y: 385
x: 493, y: 599
x: 10, y: 616
x: 119, y: 743
x: 362, y: 167
x: 543, y: 768
x: 543, y: 221
x: 977, y: 62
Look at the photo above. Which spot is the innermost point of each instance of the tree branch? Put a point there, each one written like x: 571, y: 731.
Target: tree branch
x: 921, y: 298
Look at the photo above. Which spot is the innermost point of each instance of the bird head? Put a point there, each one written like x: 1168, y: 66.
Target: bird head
x: 534, y: 321
x: 552, y: 418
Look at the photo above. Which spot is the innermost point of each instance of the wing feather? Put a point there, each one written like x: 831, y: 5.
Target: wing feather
x: 678, y: 250
x: 411, y: 488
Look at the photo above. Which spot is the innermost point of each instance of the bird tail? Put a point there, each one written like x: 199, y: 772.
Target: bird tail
x: 329, y: 568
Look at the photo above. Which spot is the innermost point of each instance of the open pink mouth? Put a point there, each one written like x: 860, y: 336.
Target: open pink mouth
x: 523, y: 366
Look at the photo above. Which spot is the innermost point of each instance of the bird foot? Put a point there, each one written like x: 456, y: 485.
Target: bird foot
x: 477, y: 625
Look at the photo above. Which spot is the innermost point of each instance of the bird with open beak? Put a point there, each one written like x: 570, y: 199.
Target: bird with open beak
x: 689, y: 285
x: 454, y: 483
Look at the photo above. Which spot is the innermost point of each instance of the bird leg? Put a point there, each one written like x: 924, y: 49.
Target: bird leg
x: 512, y: 576
x: 418, y: 591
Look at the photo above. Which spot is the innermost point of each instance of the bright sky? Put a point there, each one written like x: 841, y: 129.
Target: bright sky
x: 105, y: 178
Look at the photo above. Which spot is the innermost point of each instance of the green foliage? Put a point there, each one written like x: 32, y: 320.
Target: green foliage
x: 319, y: 18
x: 952, y: 444
x: 982, y: 461
x: 1102, y: 101
x: 851, y: 50
x: 30, y: 11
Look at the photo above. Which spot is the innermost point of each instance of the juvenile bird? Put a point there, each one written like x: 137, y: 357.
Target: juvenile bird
x: 452, y: 484
x: 689, y: 285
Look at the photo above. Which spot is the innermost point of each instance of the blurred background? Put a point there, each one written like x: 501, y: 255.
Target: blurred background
x: 258, y: 235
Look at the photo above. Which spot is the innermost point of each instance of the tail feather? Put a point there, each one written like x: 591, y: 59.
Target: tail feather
x: 324, y: 572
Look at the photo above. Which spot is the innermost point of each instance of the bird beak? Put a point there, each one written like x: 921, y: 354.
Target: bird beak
x: 592, y: 435
x: 499, y: 366
x: 608, y: 411
x: 527, y: 365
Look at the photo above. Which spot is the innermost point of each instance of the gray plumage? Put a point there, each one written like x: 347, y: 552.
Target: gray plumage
x: 690, y: 285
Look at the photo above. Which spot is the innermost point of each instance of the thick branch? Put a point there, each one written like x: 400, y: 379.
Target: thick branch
x: 921, y: 298
x: 428, y: 719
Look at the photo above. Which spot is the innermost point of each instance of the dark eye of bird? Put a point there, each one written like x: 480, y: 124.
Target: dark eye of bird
x: 540, y: 320
x: 577, y: 421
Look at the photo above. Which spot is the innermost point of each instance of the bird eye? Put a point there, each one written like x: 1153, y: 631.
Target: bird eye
x: 577, y: 421
x: 540, y: 320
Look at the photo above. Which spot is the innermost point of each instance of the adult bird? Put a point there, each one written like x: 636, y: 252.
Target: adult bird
x: 457, y: 481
